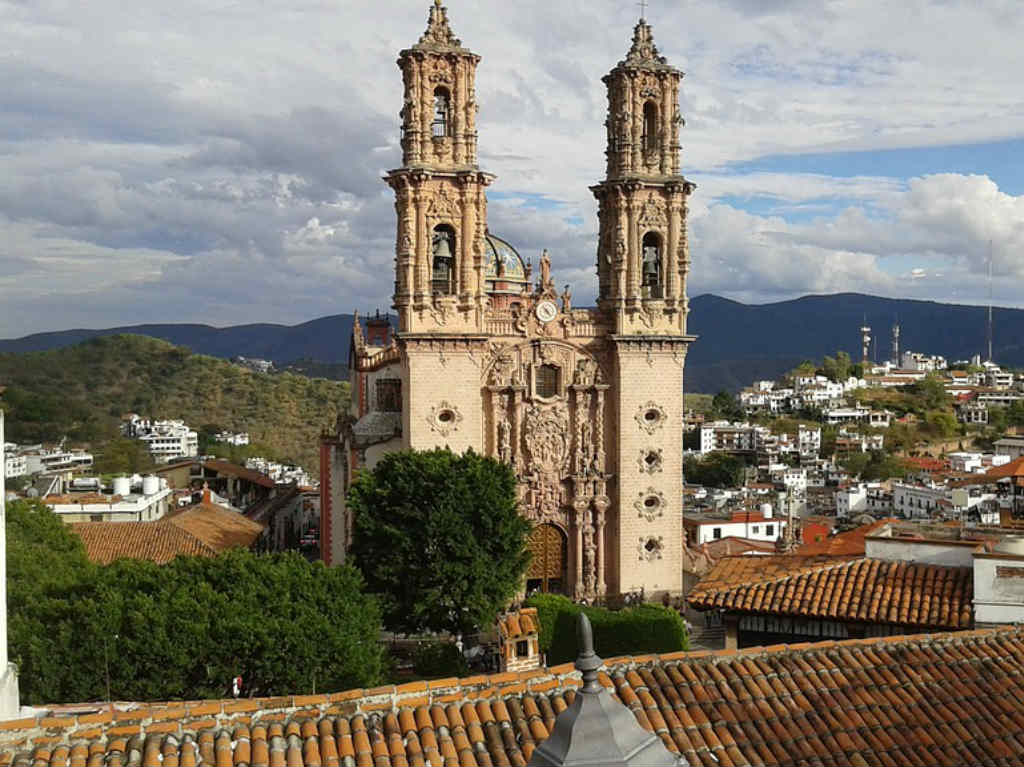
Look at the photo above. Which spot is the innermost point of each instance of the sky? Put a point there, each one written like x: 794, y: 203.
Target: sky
x: 220, y: 161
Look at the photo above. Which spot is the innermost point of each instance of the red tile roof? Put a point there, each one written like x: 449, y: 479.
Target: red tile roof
x: 868, y: 590
x: 947, y: 699
x: 203, y: 530
x: 852, y: 543
x: 234, y: 470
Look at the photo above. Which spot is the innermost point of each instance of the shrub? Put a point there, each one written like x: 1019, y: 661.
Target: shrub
x: 439, y: 659
x: 642, y: 629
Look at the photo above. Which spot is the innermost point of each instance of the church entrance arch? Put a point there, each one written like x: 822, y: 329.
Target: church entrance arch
x: 549, y: 565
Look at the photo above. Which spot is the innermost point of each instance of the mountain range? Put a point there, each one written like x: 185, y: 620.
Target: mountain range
x: 737, y: 342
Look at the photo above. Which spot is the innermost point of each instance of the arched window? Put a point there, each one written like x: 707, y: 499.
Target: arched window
x: 652, y: 266
x: 443, y: 261
x: 442, y: 124
x: 650, y: 138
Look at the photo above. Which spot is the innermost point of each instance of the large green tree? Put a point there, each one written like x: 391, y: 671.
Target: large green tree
x: 180, y: 630
x: 716, y: 469
x: 439, y: 537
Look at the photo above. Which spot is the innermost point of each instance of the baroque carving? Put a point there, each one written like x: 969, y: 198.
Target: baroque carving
x: 651, y: 417
x: 650, y: 549
x: 443, y: 206
x: 653, y: 215
x: 651, y: 460
x: 444, y: 418
x: 650, y: 503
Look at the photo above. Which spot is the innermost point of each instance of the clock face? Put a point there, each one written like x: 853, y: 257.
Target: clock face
x: 546, y: 311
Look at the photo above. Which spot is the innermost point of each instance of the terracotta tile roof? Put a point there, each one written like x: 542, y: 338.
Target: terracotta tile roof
x: 852, y: 543
x: 947, y: 699
x: 869, y: 590
x: 204, y: 530
x: 1011, y: 469
x: 106, y: 542
x: 234, y: 470
x: 217, y: 527
x: 522, y: 623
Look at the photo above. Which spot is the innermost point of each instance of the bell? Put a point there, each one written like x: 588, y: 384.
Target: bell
x: 441, y: 247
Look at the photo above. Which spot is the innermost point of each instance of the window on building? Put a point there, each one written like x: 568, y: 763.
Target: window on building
x: 442, y: 124
x: 769, y: 530
x: 389, y: 395
x: 522, y: 649
x: 716, y: 533
x: 443, y: 267
x: 650, y: 137
x: 652, y: 265
x: 756, y: 529
x: 547, y: 381
x: 95, y: 517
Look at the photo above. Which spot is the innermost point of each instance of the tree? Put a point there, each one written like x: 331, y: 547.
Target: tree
x: 714, y: 470
x: 439, y: 537
x: 124, y: 456
x: 180, y: 630
x: 727, y: 406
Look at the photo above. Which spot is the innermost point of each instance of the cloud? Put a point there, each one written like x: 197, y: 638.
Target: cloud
x: 222, y: 163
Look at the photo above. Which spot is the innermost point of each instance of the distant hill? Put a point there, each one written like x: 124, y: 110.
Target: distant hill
x: 81, y: 392
x: 738, y: 342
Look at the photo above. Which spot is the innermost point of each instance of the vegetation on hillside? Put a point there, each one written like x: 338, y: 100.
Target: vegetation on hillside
x: 439, y: 537
x: 182, y: 630
x: 81, y: 392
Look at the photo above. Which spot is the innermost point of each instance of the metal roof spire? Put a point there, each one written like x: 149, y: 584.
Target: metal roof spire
x: 596, y: 729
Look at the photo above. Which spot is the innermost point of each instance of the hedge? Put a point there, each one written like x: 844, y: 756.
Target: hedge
x: 632, y: 631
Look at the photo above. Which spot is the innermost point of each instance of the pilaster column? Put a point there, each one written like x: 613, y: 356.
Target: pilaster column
x: 465, y: 271
x: 668, y: 259
x: 579, y: 506
x: 601, y: 504
x: 633, y: 248
x: 423, y: 246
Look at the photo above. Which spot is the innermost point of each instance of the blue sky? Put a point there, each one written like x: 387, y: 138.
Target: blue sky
x: 221, y: 163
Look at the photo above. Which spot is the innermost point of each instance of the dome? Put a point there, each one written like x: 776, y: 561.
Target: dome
x: 500, y: 252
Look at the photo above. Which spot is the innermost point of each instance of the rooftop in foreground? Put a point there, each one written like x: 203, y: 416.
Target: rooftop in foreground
x: 955, y: 698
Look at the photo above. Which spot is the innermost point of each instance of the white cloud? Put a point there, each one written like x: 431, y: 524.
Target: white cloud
x: 221, y: 162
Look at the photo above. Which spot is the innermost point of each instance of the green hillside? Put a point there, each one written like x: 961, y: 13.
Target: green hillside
x: 82, y: 391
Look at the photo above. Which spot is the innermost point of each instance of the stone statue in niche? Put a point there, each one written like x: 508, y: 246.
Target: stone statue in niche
x: 505, y: 441
x: 546, y: 283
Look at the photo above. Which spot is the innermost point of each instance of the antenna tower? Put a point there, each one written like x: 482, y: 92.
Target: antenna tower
x: 990, y: 300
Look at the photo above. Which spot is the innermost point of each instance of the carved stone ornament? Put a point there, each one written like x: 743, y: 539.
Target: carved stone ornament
x: 651, y: 417
x: 643, y: 52
x: 650, y: 504
x: 444, y: 418
x: 653, y: 215
x: 439, y: 32
x: 650, y: 549
x: 651, y: 460
x: 443, y: 206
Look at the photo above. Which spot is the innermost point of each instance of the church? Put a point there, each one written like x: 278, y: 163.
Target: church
x: 584, y: 403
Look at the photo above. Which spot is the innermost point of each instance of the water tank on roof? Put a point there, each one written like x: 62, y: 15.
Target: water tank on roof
x: 766, y: 510
x: 122, y: 486
x: 150, y: 485
x: 136, y: 480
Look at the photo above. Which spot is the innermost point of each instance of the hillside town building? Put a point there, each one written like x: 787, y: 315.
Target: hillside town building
x: 165, y: 440
x: 489, y: 354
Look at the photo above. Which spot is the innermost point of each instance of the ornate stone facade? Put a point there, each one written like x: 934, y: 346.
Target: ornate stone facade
x: 584, y: 404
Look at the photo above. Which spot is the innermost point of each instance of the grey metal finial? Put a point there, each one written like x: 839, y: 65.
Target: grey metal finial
x: 588, y: 662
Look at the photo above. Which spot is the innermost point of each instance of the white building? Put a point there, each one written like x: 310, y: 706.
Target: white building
x: 165, y: 440
x: 14, y: 464
x: 149, y: 503
x: 231, y: 438
x: 755, y: 526
x: 922, y: 362
x: 47, y: 459
x: 976, y: 462
x: 728, y: 437
x: 282, y: 473
x: 1011, y: 446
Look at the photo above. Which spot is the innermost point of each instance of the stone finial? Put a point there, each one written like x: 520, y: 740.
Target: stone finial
x: 644, y: 51
x: 588, y: 662
x: 438, y: 30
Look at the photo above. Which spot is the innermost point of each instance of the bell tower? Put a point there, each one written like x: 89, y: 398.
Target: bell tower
x: 643, y: 257
x: 440, y: 193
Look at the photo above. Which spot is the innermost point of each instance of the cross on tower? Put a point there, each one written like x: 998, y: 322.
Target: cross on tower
x: 643, y: 9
